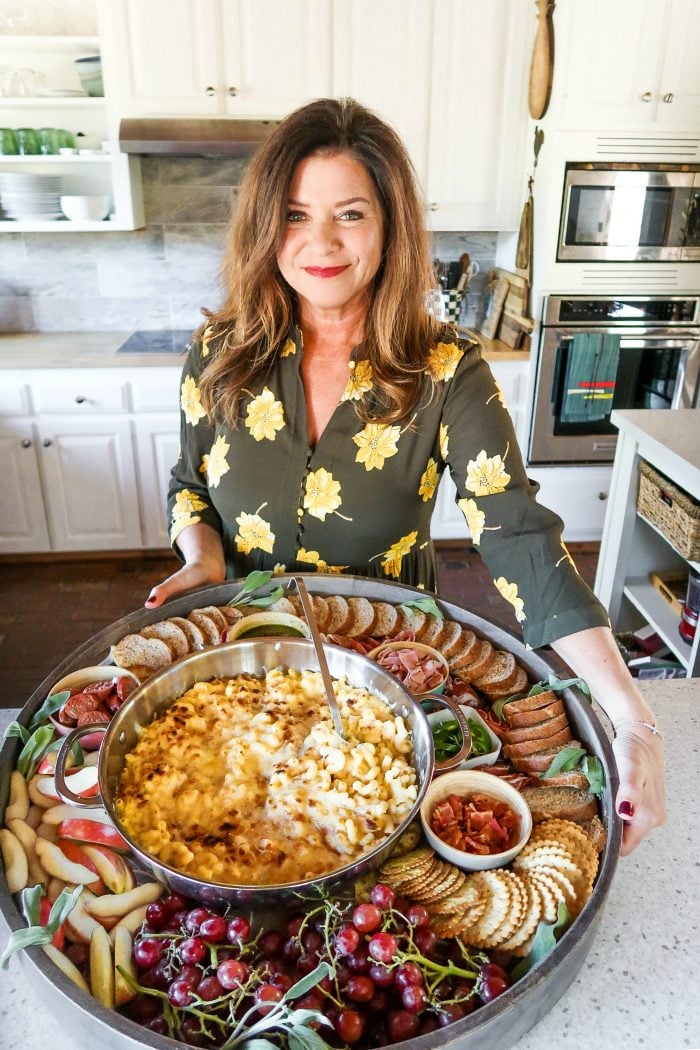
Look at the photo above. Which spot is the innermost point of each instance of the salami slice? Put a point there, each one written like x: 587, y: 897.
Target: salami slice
x: 78, y: 703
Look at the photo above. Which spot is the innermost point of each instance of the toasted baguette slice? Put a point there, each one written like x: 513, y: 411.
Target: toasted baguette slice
x: 481, y: 663
x: 565, y: 803
x: 417, y: 620
x: 361, y: 618
x: 520, y: 685
x: 214, y: 613
x: 136, y: 651
x: 284, y: 605
x: 468, y: 649
x: 451, y: 638
x: 530, y: 747
x: 432, y: 630
x: 540, y: 731
x: 212, y: 633
x: 595, y: 829
x: 340, y: 614
x: 230, y: 613
x: 385, y: 619
x: 321, y: 611
x: 520, y: 719
x: 195, y: 638
x: 540, y: 761
x: 403, y: 622
x: 501, y: 676
x: 529, y: 703
x: 173, y: 636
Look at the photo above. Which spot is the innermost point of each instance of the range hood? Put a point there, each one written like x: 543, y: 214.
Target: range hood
x: 193, y: 137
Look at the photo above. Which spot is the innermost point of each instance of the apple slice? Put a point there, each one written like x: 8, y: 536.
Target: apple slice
x: 48, y: 763
x: 94, y: 832
x: 65, y: 811
x: 46, y: 831
x: 123, y: 992
x: 116, y: 905
x: 59, y: 938
x: 114, y: 870
x: 55, y: 888
x: 18, y: 803
x: 27, y: 836
x: 39, y: 797
x: 80, y: 924
x: 130, y: 922
x: 66, y: 966
x: 83, y: 783
x: 101, y: 967
x: 77, y: 854
x: 55, y: 862
x: 14, y: 860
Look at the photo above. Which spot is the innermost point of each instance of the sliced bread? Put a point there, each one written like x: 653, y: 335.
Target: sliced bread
x: 215, y: 614
x: 571, y: 778
x: 595, y: 829
x: 540, y: 731
x: 529, y: 703
x: 340, y: 614
x: 212, y: 634
x: 417, y: 619
x: 451, y: 638
x: 230, y: 613
x: 136, y: 651
x: 520, y: 685
x: 540, y: 761
x: 520, y: 719
x: 195, y: 638
x: 385, y: 619
x: 564, y: 803
x: 432, y: 631
x: 500, y: 677
x: 530, y: 747
x: 321, y: 611
x: 480, y: 665
x: 361, y: 618
x: 173, y: 636
x: 466, y: 653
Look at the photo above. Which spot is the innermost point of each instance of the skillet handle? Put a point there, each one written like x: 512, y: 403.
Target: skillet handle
x: 60, y: 772
x: 455, y: 760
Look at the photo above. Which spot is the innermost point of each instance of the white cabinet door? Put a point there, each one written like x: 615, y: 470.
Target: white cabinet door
x: 578, y: 495
x: 277, y: 55
x: 22, y: 518
x: 164, y: 56
x: 157, y: 449
x: 679, y: 86
x: 478, y: 115
x: 381, y: 57
x: 88, y: 472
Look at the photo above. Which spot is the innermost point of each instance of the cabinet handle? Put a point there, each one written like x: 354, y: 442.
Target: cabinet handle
x: 210, y: 91
x: 80, y: 399
x: 47, y: 442
x: 602, y: 496
x: 647, y: 96
x: 668, y: 97
x: 233, y: 91
x: 26, y: 443
x: 433, y: 206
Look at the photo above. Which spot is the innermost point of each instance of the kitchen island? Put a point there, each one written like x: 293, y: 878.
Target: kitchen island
x: 638, y: 986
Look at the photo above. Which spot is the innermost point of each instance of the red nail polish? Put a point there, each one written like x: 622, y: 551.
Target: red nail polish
x: 626, y: 809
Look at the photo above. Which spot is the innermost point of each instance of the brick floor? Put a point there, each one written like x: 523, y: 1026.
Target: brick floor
x: 50, y: 606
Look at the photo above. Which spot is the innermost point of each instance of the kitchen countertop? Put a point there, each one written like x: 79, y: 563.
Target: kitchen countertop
x: 98, y: 350
x: 638, y: 986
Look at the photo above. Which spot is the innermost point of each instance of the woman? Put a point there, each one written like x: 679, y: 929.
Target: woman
x: 321, y: 404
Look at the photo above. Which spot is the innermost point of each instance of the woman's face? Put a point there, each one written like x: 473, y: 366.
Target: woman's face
x: 334, y: 235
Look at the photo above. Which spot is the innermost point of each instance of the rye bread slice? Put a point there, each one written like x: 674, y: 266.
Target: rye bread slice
x: 501, y: 677
x: 212, y: 634
x: 540, y: 761
x: 540, y: 731
x: 520, y: 685
x: 563, y: 803
x: 450, y: 639
x: 468, y: 649
x: 432, y: 630
x: 403, y: 622
x: 195, y: 638
x: 480, y: 664
x: 520, y: 719
x: 136, y: 651
x: 173, y: 636
x: 417, y: 619
x: 530, y: 747
x: 361, y: 618
x: 339, y: 614
x: 529, y: 703
x: 385, y: 619
x: 571, y: 778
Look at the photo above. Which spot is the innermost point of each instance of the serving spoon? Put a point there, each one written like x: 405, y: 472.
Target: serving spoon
x: 306, y: 605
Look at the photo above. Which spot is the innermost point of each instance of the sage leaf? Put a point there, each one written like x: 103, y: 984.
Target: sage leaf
x: 426, y: 605
x: 15, y: 730
x: 303, y: 1038
x: 257, y: 579
x: 25, y: 938
x: 253, y: 582
x: 592, y: 769
x: 49, y: 707
x: 566, y: 759
x: 259, y: 1044
x: 76, y: 750
x: 304, y: 1017
x: 34, y: 750
x: 268, y: 599
x: 31, y: 904
x: 558, y: 684
x: 62, y: 907
x: 308, y: 982
x: 545, y: 940
x: 498, y: 706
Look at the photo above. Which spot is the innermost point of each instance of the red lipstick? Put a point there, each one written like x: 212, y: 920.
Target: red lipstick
x: 325, y: 271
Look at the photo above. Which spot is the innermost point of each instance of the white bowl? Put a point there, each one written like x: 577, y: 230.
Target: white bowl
x: 78, y: 680
x: 82, y: 206
x: 490, y: 757
x: 470, y: 782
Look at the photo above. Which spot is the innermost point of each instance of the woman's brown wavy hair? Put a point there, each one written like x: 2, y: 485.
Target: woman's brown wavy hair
x: 259, y: 308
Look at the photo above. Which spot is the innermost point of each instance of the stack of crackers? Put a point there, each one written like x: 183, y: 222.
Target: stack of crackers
x: 501, y: 908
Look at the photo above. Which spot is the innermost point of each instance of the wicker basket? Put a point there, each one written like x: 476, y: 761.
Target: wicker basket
x: 671, y: 510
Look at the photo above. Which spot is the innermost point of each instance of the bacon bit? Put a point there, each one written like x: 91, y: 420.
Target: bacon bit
x: 475, y: 824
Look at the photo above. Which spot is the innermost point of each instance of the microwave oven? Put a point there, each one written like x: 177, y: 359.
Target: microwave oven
x: 630, y: 213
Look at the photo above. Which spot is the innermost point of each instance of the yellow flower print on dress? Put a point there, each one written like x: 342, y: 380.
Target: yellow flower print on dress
x: 443, y: 360
x: 253, y: 533
x: 567, y: 557
x: 206, y: 339
x: 396, y: 553
x: 444, y: 441
x: 322, y: 494
x: 510, y: 593
x: 204, y: 465
x: 279, y: 569
x: 376, y: 443
x: 191, y: 402
x: 265, y: 416
x: 476, y: 520
x: 360, y: 381
x: 216, y: 461
x: 486, y: 474
x: 498, y: 395
x: 183, y: 513
x: 289, y: 348
x: 429, y: 481
x: 314, y: 558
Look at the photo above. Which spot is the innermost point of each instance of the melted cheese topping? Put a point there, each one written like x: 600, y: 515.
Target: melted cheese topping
x: 245, y: 781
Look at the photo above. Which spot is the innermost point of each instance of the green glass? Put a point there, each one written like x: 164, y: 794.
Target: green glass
x: 28, y: 141
x: 8, y: 142
x: 66, y: 139
x: 49, y: 140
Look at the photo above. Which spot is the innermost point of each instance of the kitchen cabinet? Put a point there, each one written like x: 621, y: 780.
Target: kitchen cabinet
x: 157, y: 449
x: 245, y: 58
x: 631, y: 546
x: 631, y: 62
x: 23, y: 525
x: 579, y: 495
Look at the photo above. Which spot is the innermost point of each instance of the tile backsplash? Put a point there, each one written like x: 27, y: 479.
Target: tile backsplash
x: 161, y: 276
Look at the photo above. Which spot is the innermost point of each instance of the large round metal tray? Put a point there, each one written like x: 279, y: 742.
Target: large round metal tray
x: 495, y: 1026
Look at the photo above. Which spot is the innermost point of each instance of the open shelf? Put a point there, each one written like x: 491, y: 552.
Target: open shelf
x: 60, y: 102
x: 693, y: 564
x: 48, y: 43
x: 659, y: 615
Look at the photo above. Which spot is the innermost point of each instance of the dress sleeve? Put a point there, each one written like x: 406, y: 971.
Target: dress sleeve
x: 519, y: 539
x: 189, y: 500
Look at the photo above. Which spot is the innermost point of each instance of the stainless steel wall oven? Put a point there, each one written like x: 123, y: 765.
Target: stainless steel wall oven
x: 597, y: 354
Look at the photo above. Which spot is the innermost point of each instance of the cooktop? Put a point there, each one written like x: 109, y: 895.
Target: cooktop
x: 160, y: 341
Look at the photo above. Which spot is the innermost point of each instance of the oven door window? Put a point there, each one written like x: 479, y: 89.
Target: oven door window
x: 622, y: 216
x: 596, y: 373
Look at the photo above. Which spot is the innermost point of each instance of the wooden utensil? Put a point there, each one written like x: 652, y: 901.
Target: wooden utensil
x: 464, y: 264
x: 542, y: 63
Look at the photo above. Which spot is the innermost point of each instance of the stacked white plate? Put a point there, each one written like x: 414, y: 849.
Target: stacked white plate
x: 28, y: 197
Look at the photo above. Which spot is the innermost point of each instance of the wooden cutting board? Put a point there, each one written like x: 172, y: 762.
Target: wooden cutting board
x: 515, y: 325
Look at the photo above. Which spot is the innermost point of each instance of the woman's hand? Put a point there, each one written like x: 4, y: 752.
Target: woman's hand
x: 641, y: 798
x: 203, y: 552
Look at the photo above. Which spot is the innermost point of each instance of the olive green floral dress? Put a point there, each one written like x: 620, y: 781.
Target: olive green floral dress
x: 360, y: 502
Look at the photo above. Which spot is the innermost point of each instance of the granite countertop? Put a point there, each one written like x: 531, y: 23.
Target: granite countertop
x: 638, y: 986
x: 99, y: 350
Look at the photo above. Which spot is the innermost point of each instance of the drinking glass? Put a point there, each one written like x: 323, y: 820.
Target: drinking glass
x: 8, y: 141
x: 49, y: 140
x: 28, y: 141
x: 66, y: 139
